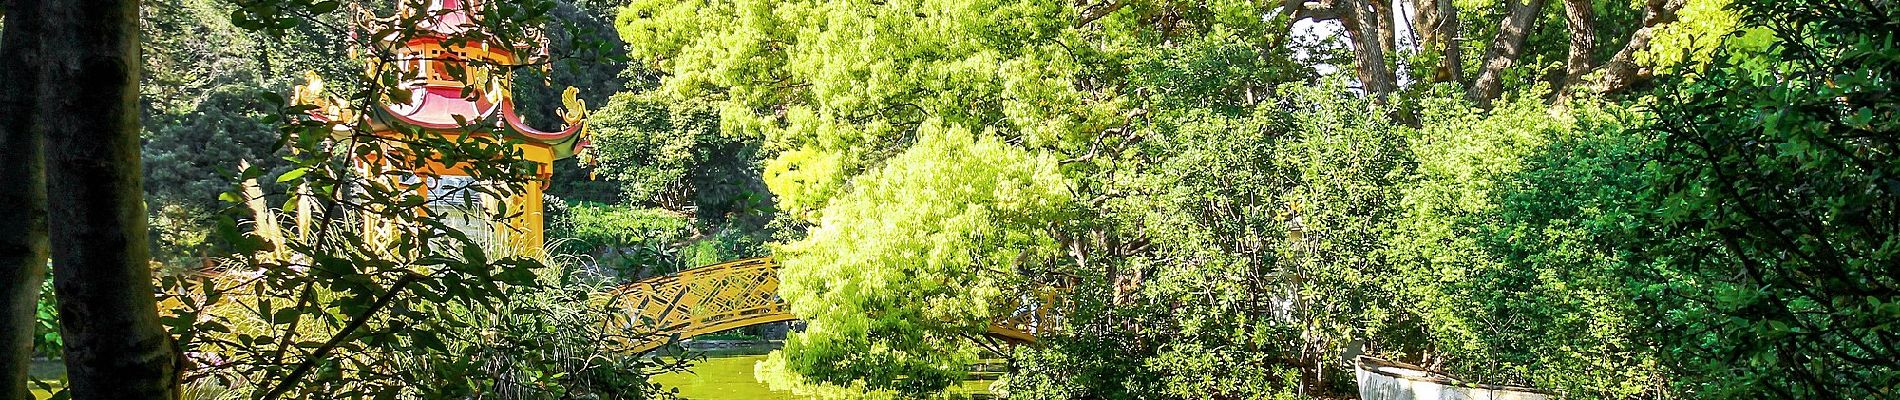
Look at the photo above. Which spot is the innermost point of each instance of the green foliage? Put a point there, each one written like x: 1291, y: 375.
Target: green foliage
x: 912, y: 261
x: 726, y: 244
x: 835, y: 87
x: 671, y: 153
x: 47, y: 341
x: 1514, y: 248
x: 1691, y: 41
x: 1216, y: 232
x: 336, y: 278
x: 629, y: 242
x: 1777, y: 187
x: 189, y: 155
x: 546, y: 343
x: 199, y: 107
x: 1253, y: 263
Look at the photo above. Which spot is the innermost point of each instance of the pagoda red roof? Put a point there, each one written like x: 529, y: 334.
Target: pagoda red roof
x: 439, y: 107
x: 444, y: 106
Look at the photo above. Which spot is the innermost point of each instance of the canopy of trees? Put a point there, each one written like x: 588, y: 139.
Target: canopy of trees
x: 1210, y: 199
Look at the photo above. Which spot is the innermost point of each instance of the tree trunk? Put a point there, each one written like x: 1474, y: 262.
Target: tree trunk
x: 88, y: 105
x: 1363, y: 28
x: 22, y: 201
x: 1381, y: 12
x: 1621, y: 70
x: 1504, y: 50
x: 1437, y: 22
x: 1583, y: 38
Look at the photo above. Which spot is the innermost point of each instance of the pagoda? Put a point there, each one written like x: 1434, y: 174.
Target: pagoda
x: 457, y: 81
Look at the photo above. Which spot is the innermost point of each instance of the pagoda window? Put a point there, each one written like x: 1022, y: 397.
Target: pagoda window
x: 458, y: 203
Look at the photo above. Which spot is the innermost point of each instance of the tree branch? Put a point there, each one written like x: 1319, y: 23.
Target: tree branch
x: 1324, y: 10
x: 1099, y: 10
x: 1504, y: 50
x: 310, y: 362
x: 1621, y: 71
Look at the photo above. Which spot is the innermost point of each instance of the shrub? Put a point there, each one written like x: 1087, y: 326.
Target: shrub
x: 1514, y: 247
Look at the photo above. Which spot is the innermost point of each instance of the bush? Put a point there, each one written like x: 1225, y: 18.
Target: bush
x: 1514, y: 247
x: 1262, y: 228
x: 628, y: 242
x: 47, y: 341
x: 1780, y: 230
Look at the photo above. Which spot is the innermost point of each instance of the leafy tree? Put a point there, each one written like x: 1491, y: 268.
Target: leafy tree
x: 1777, y: 196
x: 1516, y: 252
x: 671, y: 153
x: 189, y: 155
x: 1251, y: 257
x: 201, y: 115
x: 911, y: 263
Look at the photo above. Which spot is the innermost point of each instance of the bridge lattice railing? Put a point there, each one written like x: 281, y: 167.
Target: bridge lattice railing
x: 740, y: 293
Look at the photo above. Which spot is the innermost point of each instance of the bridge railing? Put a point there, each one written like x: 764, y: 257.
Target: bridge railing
x: 740, y: 293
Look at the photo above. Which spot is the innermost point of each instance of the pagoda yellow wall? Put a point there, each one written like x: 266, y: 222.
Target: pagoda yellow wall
x: 532, y: 221
x: 524, y: 234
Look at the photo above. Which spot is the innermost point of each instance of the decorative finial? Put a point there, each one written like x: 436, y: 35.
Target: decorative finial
x: 575, y: 109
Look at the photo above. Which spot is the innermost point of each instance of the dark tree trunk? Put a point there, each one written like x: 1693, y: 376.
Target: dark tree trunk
x: 88, y: 104
x: 22, y: 201
x: 1504, y: 50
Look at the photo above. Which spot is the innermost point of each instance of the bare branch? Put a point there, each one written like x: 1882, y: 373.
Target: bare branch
x: 322, y: 352
x: 1324, y: 10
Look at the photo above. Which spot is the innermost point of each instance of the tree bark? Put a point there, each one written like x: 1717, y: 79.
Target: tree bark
x: 1438, y: 32
x: 1621, y: 71
x: 22, y: 201
x: 88, y: 104
x: 1368, y: 42
x: 1094, y: 12
x: 1583, y: 37
x: 1504, y: 50
x: 1380, y: 11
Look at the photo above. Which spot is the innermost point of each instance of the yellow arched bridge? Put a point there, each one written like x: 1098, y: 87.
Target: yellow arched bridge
x: 737, y: 294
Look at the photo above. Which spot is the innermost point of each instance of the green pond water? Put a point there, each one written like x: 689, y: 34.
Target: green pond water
x: 730, y: 378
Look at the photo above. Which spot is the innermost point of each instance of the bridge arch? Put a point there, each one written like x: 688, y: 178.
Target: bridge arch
x: 730, y: 295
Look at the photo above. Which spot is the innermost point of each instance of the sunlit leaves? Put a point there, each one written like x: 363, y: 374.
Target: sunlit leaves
x: 914, y: 257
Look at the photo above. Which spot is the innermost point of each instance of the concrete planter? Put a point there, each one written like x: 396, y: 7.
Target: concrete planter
x: 1381, y: 379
